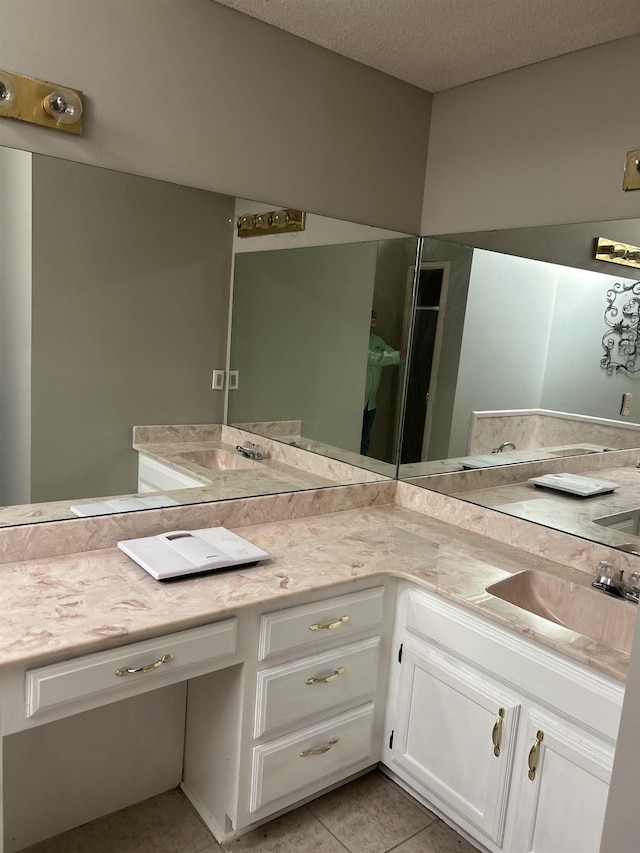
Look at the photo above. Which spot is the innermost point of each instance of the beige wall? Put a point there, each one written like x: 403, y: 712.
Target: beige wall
x: 540, y: 145
x: 130, y: 304
x: 196, y: 93
x: 301, y: 320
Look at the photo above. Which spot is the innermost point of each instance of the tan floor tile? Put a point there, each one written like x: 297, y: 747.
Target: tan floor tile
x: 74, y: 841
x: 291, y: 833
x: 437, y: 838
x: 163, y: 824
x: 371, y: 815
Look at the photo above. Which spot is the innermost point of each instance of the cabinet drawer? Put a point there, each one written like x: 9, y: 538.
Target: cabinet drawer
x: 305, y: 761
x: 309, y: 624
x: 296, y: 690
x: 103, y: 677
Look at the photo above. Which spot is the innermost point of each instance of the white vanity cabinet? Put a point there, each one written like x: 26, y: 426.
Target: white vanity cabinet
x: 315, y: 700
x: 453, y: 736
x: 510, y: 742
x: 156, y: 476
x: 560, y: 786
x: 92, y: 734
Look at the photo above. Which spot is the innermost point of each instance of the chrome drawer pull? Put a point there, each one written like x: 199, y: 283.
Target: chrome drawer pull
x: 330, y: 625
x: 322, y: 749
x: 326, y: 679
x: 533, y: 756
x: 496, y: 734
x: 146, y: 668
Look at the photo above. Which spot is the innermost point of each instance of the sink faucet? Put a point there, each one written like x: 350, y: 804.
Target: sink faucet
x: 250, y: 451
x: 503, y: 446
x: 607, y: 583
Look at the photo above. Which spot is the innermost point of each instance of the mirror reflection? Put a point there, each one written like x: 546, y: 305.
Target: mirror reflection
x: 515, y: 387
x: 114, y: 316
x: 316, y: 340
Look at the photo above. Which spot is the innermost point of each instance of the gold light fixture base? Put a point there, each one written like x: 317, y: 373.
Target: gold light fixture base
x: 631, y: 179
x: 271, y: 222
x: 616, y: 253
x: 27, y: 106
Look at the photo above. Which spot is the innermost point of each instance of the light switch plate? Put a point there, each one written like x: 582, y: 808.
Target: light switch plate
x: 233, y: 380
x: 218, y: 380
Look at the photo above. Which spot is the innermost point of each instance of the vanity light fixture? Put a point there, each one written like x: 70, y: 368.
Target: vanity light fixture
x: 616, y: 253
x: 271, y: 222
x: 39, y: 102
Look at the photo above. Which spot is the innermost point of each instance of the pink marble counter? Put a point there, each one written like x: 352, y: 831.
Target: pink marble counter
x: 52, y: 608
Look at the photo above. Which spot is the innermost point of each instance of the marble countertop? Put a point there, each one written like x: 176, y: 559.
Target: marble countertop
x: 498, y: 460
x: 53, y: 608
x: 570, y: 513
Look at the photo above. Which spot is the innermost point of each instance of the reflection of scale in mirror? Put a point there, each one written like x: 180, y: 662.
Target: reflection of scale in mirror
x: 108, y: 348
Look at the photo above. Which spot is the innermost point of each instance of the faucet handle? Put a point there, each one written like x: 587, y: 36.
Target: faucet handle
x: 604, y: 572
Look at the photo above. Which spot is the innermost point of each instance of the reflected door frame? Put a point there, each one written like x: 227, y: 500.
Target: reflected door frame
x: 411, y: 307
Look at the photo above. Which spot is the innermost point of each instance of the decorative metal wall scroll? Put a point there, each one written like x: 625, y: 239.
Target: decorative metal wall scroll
x: 623, y: 335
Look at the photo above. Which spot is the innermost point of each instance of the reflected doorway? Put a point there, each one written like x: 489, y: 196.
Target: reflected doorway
x: 421, y: 387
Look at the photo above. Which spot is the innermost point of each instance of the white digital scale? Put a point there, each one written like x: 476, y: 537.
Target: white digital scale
x: 187, y: 552
x: 574, y: 484
x: 114, y: 505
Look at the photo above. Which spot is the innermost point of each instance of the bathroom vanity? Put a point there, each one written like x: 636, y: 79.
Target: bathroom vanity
x: 368, y: 637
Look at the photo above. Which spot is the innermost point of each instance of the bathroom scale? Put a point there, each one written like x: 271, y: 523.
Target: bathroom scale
x: 180, y: 553
x: 574, y: 484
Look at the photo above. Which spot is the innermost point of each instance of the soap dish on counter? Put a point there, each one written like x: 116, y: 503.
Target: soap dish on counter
x: 574, y: 484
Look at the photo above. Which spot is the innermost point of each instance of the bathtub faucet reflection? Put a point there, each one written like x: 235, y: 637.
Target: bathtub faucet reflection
x: 504, y: 445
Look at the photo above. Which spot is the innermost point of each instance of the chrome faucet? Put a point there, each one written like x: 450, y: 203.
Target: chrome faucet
x: 503, y: 446
x: 250, y: 451
x: 619, y: 587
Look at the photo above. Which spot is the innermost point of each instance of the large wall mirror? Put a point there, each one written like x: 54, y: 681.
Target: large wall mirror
x: 508, y: 384
x: 114, y: 313
x: 120, y: 296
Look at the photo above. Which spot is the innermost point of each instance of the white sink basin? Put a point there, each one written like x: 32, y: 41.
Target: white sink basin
x: 593, y: 614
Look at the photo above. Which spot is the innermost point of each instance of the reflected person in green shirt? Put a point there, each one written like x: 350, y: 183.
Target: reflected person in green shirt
x: 380, y: 355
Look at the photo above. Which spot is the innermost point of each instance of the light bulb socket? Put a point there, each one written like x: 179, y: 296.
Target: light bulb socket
x: 246, y: 222
x: 280, y: 218
x: 63, y: 105
x: 8, y: 91
x: 263, y: 220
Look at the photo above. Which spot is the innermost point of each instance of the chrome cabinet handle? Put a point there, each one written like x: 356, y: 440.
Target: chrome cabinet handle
x: 496, y: 734
x: 148, y: 667
x: 321, y: 750
x: 329, y: 625
x: 327, y: 679
x: 533, y: 755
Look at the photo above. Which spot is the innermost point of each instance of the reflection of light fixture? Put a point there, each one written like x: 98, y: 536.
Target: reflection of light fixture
x: 271, y: 222
x: 616, y: 253
x: 263, y: 220
x: 281, y: 218
x: 38, y: 102
x: 246, y: 222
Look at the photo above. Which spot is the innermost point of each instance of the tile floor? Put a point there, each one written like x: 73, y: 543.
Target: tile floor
x: 370, y: 815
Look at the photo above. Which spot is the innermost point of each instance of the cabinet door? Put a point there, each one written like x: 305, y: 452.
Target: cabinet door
x: 455, y: 736
x: 561, y: 783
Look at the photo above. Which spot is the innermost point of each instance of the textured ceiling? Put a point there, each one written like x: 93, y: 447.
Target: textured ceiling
x: 439, y: 44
